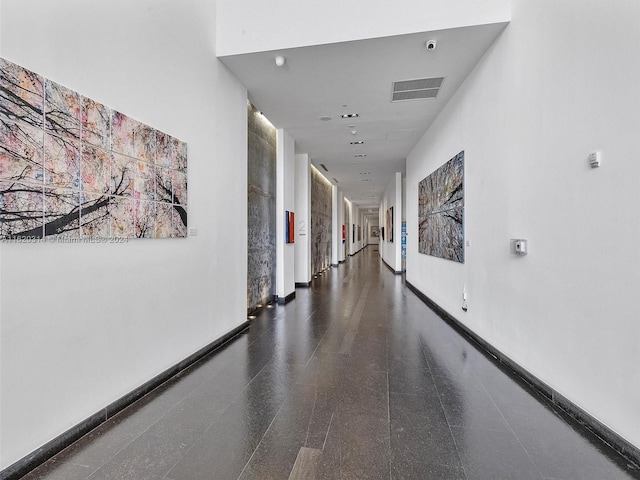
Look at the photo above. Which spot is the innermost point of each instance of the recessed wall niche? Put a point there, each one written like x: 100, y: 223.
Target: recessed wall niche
x: 73, y: 168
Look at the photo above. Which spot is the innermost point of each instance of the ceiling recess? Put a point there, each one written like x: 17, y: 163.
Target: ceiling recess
x: 417, y: 89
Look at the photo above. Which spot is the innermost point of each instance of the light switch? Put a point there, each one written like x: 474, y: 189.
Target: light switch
x: 595, y: 159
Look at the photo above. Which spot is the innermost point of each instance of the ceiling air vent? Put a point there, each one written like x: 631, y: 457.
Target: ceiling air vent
x: 416, y: 89
x: 324, y: 167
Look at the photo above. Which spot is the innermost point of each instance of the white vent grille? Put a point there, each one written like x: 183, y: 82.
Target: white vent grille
x: 417, y: 89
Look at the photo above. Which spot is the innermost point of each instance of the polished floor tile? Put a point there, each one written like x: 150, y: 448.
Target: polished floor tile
x: 355, y: 379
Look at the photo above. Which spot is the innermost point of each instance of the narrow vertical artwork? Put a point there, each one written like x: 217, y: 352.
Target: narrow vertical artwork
x: 441, y: 211
x: 286, y: 226
x: 292, y: 231
x: 72, y: 168
x: 390, y: 224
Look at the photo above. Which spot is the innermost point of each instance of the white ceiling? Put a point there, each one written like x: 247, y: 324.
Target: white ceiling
x: 356, y: 77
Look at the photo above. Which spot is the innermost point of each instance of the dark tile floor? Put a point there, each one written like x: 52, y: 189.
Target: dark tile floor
x: 354, y: 379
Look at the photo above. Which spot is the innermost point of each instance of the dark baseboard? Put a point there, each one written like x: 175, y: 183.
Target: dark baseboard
x: 357, y: 251
x: 397, y: 272
x: 527, y: 379
x: 48, y: 450
x: 334, y: 265
x: 303, y: 284
x: 341, y: 261
x: 287, y: 299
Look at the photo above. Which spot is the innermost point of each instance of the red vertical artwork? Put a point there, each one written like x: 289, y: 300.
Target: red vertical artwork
x: 291, y: 228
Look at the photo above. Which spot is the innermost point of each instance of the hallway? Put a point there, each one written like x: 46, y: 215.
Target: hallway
x: 354, y: 379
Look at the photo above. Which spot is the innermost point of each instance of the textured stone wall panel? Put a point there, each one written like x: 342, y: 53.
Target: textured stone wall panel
x: 261, y: 272
x: 320, y: 222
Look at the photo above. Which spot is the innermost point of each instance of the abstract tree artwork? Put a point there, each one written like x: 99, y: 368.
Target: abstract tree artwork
x: 71, y: 167
x: 441, y: 211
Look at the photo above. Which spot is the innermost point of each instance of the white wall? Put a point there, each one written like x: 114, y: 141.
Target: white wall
x: 260, y: 25
x: 560, y: 82
x: 356, y: 219
x: 372, y: 222
x: 83, y: 325
x: 285, y: 201
x: 391, y: 252
x: 341, y: 221
x: 336, y: 231
x: 302, y: 267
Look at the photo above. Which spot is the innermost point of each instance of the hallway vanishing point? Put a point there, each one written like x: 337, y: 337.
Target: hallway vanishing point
x: 354, y: 379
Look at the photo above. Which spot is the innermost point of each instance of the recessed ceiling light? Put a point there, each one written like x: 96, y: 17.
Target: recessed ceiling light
x: 325, y: 119
x: 360, y: 155
x: 350, y: 115
x: 359, y: 142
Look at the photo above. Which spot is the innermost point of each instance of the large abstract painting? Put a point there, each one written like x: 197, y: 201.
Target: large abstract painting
x: 73, y: 168
x: 441, y: 211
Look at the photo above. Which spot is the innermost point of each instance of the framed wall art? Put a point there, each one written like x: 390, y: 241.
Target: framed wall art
x: 441, y: 211
x: 73, y: 168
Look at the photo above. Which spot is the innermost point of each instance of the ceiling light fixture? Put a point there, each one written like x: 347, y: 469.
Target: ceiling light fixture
x: 350, y: 115
x: 360, y: 155
x: 325, y: 119
x: 359, y: 142
x: 280, y: 60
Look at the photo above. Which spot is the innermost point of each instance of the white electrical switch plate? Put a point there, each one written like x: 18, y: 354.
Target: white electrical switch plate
x: 595, y: 159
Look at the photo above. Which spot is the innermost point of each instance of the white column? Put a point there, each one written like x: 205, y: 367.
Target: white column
x: 303, y: 218
x: 397, y: 224
x: 340, y: 210
x: 285, y: 201
x: 335, y: 227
